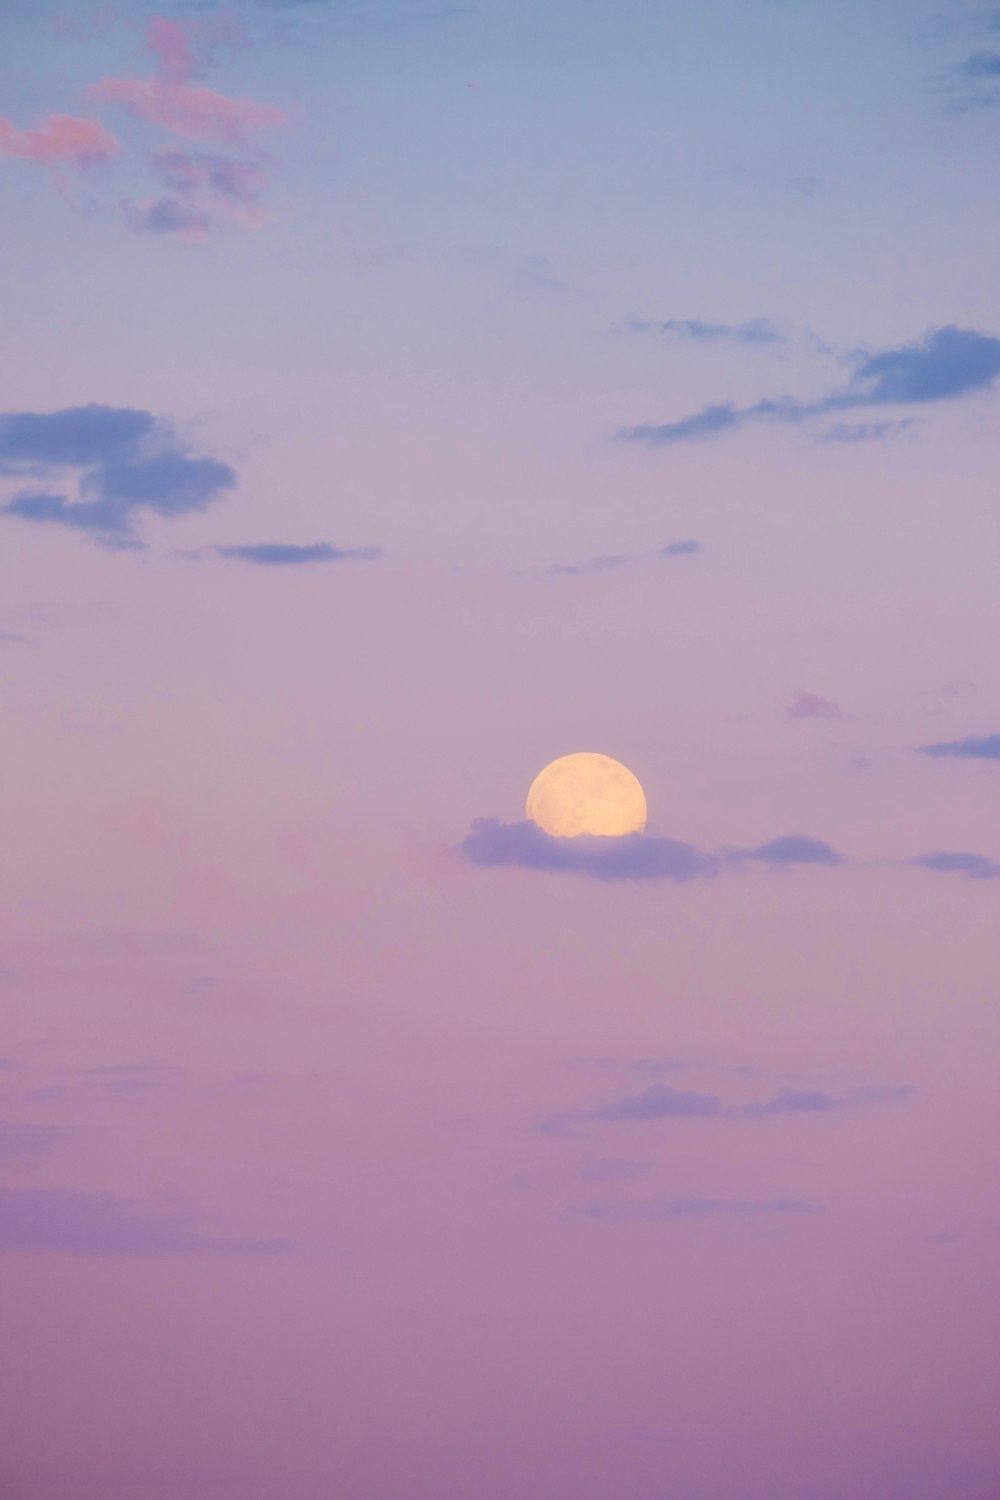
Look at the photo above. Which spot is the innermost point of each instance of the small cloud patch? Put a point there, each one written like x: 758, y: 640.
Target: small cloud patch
x: 973, y: 747
x: 289, y: 555
x: 659, y: 1209
x: 126, y: 460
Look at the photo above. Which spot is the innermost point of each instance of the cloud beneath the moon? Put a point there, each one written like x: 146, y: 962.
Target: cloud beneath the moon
x: 633, y: 856
x: 946, y: 363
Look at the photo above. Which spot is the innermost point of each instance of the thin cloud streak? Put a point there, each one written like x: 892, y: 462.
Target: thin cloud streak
x: 947, y: 363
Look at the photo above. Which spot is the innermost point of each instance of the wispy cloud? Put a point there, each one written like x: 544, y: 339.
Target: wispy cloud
x: 18, y: 1141
x: 59, y: 141
x: 658, y: 1209
x: 973, y: 866
x: 128, y: 461
x: 193, y: 191
x: 290, y: 555
x: 790, y: 849
x: 172, y: 102
x: 812, y: 706
x: 663, y: 1102
x: 13, y: 638
x: 865, y: 432
x: 660, y: 1101
x: 973, y: 747
x: 756, y: 331
x: 611, y: 562
x: 947, y: 363
x: 66, y: 1221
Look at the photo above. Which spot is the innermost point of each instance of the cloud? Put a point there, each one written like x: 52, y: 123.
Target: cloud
x: 662, y: 1102
x: 634, y: 857
x: 973, y: 747
x: 792, y: 849
x: 129, y: 461
x: 77, y: 435
x: 679, y: 549
x: 659, y: 1101
x: 757, y: 331
x: 689, y: 1208
x: 612, y: 561
x: 60, y: 141
x: 974, y: 866
x: 288, y: 555
x: 981, y: 65
x: 172, y: 102
x: 202, y: 190
x: 12, y: 638
x: 812, y: 706
x: 68, y: 1222
x: 947, y: 363
x: 864, y: 432
x: 26, y: 1140
x: 119, y: 1080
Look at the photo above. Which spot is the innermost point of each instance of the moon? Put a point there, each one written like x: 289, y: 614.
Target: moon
x: 586, y: 793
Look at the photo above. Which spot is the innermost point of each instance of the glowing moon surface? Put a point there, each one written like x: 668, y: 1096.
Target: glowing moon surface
x: 586, y: 793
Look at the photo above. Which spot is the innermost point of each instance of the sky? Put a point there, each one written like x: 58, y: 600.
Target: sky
x: 397, y: 396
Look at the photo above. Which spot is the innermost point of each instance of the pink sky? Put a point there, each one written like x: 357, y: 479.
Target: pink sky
x: 367, y: 441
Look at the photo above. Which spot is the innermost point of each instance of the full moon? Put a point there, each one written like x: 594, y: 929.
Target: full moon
x: 586, y: 793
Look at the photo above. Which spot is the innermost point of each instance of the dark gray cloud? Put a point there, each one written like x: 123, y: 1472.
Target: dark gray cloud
x: 69, y: 1222
x: 947, y: 363
x: 973, y: 747
x: 974, y: 866
x: 288, y: 555
x: 689, y: 1208
x: 756, y: 331
x: 636, y: 856
x: 128, y: 461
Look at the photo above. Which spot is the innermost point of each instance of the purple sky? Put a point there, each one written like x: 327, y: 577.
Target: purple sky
x: 397, y: 396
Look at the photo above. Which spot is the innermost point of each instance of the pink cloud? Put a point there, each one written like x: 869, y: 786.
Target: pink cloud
x: 171, y: 101
x: 169, y: 44
x: 187, y: 109
x: 60, y: 140
x: 812, y: 706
